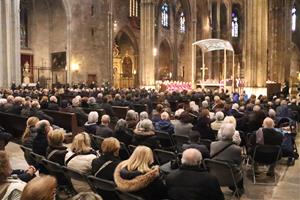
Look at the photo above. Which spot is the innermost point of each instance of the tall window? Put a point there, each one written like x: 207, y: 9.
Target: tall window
x: 165, y: 15
x: 23, y: 25
x: 294, y: 18
x: 235, y: 25
x: 182, y: 22
x: 134, y: 8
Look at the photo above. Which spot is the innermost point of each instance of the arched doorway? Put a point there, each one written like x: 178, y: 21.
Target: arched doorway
x: 164, y: 68
x: 125, y: 61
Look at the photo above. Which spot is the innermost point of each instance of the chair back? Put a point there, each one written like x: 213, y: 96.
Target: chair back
x: 179, y: 140
x: 164, y: 138
x: 74, y: 174
x: 128, y: 196
x: 36, y: 157
x: 162, y: 156
x: 140, y: 108
x: 96, y: 141
x: 124, y: 152
x: 131, y: 148
x: 221, y: 170
x: 267, y: 154
x: 206, y: 142
x: 107, y: 189
x: 120, y: 111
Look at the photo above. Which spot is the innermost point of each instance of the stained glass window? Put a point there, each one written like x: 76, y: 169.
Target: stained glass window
x: 23, y: 25
x: 182, y: 23
x: 235, y: 25
x: 294, y: 18
x: 165, y: 15
x: 134, y: 8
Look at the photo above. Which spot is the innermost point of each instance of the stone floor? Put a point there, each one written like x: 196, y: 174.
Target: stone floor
x: 288, y: 187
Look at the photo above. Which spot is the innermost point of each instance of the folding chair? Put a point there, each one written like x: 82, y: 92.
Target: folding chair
x: 27, y: 155
x: 124, y: 152
x: 74, y: 174
x: 224, y: 173
x: 131, y: 148
x: 128, y: 196
x: 96, y: 141
x: 162, y: 156
x: 107, y: 189
x: 266, y: 155
x: 165, y: 139
x: 206, y: 142
x: 179, y: 140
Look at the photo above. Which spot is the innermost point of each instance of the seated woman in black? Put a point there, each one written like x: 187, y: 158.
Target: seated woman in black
x: 122, y: 132
x: 104, y: 166
x: 56, y: 151
x: 136, y: 175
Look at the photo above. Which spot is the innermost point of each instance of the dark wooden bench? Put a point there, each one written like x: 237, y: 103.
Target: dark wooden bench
x: 120, y: 111
x: 140, y: 108
x: 65, y: 120
x: 14, y: 124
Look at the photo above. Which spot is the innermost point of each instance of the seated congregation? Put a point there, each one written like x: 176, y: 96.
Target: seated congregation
x: 142, y: 144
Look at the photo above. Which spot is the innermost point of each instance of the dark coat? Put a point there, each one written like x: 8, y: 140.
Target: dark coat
x: 164, y: 125
x: 255, y: 120
x: 147, y: 185
x: 124, y: 135
x: 29, y: 140
x: 203, y: 127
x: 40, y: 144
x: 15, y: 109
x: 58, y: 156
x: 104, y: 131
x: 193, y: 183
x: 147, y: 138
x: 107, y: 172
x: 90, y: 128
x: 53, y: 106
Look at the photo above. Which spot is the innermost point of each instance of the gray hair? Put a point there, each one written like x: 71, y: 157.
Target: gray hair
x: 93, y: 117
x: 235, y: 106
x: 3, y: 101
x: 146, y: 124
x: 131, y: 115
x: 272, y: 113
x: 87, y: 196
x: 91, y: 100
x: 205, y: 104
x: 144, y: 115
x: 219, y: 116
x: 76, y: 102
x: 256, y: 108
x: 53, y: 99
x: 178, y: 112
x: 121, y: 123
x: 227, y: 131
x: 191, y: 157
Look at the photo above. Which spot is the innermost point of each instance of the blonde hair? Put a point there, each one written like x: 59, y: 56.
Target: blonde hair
x: 110, y: 145
x: 31, y: 121
x: 40, y: 188
x: 56, y: 137
x: 140, y: 159
x: 5, y: 168
x: 230, y: 120
x: 81, y: 143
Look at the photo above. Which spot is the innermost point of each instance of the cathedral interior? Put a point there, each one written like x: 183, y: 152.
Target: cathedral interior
x: 134, y: 43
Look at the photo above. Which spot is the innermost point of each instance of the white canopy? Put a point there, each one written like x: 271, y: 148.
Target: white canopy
x: 214, y: 45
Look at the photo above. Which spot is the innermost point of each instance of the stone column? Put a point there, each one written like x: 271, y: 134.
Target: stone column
x: 147, y: 59
x: 256, y: 43
x: 1, y: 46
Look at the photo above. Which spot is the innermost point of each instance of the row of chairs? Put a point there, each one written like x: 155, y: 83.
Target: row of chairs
x: 107, y: 189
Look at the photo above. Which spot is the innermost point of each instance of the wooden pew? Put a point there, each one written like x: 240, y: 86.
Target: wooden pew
x: 65, y: 120
x: 120, y: 111
x: 14, y: 124
x: 140, y: 108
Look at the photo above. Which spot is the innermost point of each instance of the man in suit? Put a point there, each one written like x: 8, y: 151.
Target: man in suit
x: 103, y: 130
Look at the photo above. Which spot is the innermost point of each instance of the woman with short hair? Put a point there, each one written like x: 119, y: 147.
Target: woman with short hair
x: 91, y: 125
x: 137, y: 175
x: 56, y: 151
x: 80, y: 157
x: 104, y: 166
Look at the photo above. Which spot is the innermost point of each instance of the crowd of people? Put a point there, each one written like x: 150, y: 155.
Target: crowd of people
x: 224, y: 119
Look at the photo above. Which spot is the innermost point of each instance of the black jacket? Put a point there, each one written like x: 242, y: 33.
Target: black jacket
x: 53, y: 106
x: 40, y: 144
x: 58, y: 155
x: 90, y: 128
x: 104, y: 131
x: 193, y: 183
x: 147, y: 138
x: 107, y: 172
x: 124, y: 135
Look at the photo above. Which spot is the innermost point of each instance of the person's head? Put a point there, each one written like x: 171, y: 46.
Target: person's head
x: 53, y: 99
x: 131, y: 115
x: 93, y: 117
x: 56, y: 137
x: 191, y: 157
x: 40, y: 188
x: 87, y: 196
x: 91, y: 100
x: 5, y: 167
x: 10, y: 99
x: 164, y: 116
x: 204, y: 113
x: 283, y: 103
x: 43, y: 127
x: 76, y: 102
x: 231, y: 120
x: 35, y: 104
x: 227, y: 131
x: 268, y: 123
x: 205, y: 104
x: 235, y: 106
x: 144, y: 115
x: 219, y: 116
x: 272, y: 113
x: 140, y: 160
x: 110, y: 146
x: 194, y: 136
x: 105, y: 120
x: 121, y: 124
x: 27, y: 104
x: 31, y: 122
x: 146, y: 125
x: 81, y: 143
x: 3, y: 102
x: 178, y: 112
x: 256, y: 108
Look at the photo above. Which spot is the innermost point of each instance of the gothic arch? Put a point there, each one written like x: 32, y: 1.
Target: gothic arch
x: 127, y: 30
x: 165, y: 66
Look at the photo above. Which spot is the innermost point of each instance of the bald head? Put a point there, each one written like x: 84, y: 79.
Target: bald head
x: 105, y: 120
x: 268, y: 123
x: 191, y: 157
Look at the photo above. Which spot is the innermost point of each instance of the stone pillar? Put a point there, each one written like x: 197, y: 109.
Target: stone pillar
x: 147, y: 34
x: 10, y: 42
x: 256, y: 43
